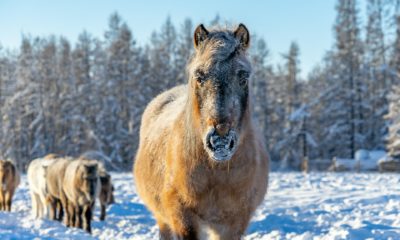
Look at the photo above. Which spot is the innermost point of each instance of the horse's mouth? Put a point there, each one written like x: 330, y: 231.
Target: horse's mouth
x: 221, y: 148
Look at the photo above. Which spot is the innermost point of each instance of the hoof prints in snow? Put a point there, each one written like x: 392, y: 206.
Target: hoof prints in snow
x: 314, y: 206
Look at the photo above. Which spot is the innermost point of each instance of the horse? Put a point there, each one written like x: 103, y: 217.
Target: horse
x: 36, y: 174
x: 9, y: 181
x: 105, y: 194
x: 54, y: 180
x: 80, y: 186
x: 201, y: 167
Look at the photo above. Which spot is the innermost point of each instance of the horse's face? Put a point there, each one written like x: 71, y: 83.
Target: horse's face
x: 219, y: 78
x: 89, y: 180
x: 107, y: 189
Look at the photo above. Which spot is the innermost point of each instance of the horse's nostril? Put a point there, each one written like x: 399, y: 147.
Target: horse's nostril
x: 222, y: 129
x: 231, y: 144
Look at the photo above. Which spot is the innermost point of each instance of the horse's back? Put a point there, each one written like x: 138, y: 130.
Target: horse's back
x: 55, y: 175
x: 36, y: 173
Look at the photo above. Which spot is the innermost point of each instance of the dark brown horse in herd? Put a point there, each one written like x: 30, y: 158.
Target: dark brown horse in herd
x: 201, y: 167
x: 9, y: 181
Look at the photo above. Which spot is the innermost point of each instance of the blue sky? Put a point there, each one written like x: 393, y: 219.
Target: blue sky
x: 309, y: 22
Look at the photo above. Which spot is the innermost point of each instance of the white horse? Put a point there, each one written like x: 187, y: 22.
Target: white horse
x: 37, y: 186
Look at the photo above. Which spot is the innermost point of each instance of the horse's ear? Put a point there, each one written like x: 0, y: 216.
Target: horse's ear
x: 243, y: 35
x: 200, y: 34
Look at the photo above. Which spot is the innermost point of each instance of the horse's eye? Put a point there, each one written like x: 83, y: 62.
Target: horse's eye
x: 243, y: 78
x: 200, y: 76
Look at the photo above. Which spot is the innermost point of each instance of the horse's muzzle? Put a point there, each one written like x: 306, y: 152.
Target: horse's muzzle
x: 221, y: 148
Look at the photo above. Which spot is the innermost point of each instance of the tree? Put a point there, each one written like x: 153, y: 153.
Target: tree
x: 122, y: 73
x: 184, y: 50
x: 262, y: 72
x: 162, y: 56
x: 349, y: 55
x: 377, y: 76
x: 393, y: 143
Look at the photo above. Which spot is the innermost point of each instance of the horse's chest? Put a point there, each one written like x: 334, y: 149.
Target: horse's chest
x: 203, y: 181
x: 220, y: 203
x: 218, y: 195
x: 218, y: 215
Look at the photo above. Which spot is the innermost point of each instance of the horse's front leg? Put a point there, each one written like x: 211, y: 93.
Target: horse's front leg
x: 181, y: 221
x: 87, y: 218
x: 235, y: 228
x: 78, y: 216
x: 8, y: 200
x: 164, y: 230
x: 103, y: 211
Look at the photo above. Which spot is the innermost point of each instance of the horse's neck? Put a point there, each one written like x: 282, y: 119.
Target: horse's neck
x: 191, y: 137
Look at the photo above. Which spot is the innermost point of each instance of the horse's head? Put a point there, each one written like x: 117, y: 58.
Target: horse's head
x: 219, y: 73
x: 106, y: 192
x: 88, y: 178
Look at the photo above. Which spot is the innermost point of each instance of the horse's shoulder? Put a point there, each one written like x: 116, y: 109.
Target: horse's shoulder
x: 165, y: 107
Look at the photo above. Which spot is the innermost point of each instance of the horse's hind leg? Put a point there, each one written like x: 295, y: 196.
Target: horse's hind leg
x: 60, y: 210
x: 2, y: 206
x: 53, y: 208
x: 39, y: 206
x: 34, y: 201
x: 43, y: 204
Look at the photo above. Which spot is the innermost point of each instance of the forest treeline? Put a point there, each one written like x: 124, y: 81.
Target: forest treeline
x: 88, y: 97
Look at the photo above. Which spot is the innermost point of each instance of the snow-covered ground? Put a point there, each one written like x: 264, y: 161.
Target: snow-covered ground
x: 313, y: 206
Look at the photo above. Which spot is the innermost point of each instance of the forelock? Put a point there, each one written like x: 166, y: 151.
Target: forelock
x: 219, y: 46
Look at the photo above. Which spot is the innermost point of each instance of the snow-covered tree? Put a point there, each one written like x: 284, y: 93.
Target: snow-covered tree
x: 350, y: 91
x: 393, y: 142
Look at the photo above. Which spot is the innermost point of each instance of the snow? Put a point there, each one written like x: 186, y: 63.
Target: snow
x: 364, y: 161
x: 369, y: 160
x: 344, y: 164
x: 298, y: 206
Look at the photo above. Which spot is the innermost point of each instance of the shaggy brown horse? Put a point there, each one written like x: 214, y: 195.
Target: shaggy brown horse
x: 80, y: 186
x: 9, y: 181
x: 54, y: 182
x: 201, y: 167
x: 106, y: 196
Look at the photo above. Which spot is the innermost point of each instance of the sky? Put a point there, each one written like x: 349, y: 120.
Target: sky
x: 308, y: 22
